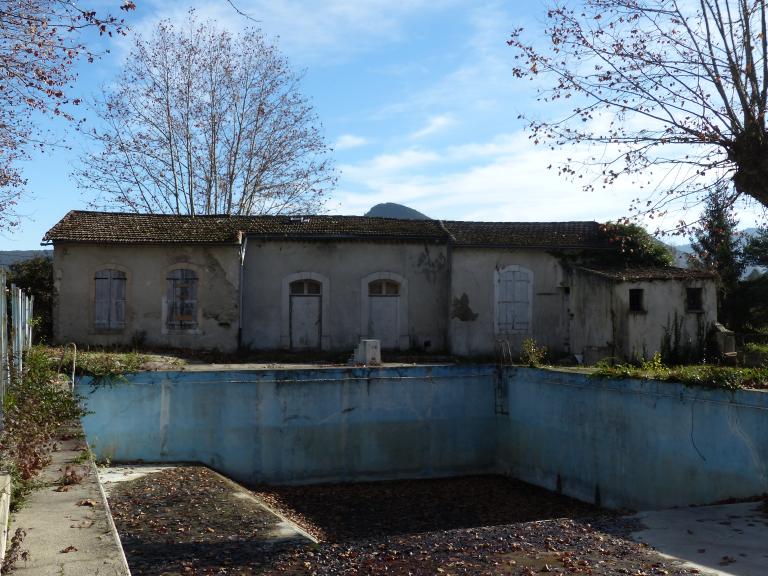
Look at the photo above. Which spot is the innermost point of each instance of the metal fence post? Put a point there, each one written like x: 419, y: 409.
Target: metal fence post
x: 5, y: 373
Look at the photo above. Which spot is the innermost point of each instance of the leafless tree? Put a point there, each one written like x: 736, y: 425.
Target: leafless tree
x: 673, y: 91
x: 201, y: 121
x: 40, y: 42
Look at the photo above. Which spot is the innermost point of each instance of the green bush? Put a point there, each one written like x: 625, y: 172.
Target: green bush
x: 704, y: 375
x: 533, y: 354
x: 35, y: 407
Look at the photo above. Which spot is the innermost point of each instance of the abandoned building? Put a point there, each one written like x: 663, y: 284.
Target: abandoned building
x: 324, y: 282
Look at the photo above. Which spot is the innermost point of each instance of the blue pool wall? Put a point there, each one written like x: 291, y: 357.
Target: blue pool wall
x: 637, y: 444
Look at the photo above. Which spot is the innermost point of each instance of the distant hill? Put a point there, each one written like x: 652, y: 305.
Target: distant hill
x: 8, y: 257
x: 392, y: 210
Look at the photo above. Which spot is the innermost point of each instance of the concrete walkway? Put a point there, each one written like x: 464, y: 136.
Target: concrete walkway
x: 68, y: 528
x: 726, y: 540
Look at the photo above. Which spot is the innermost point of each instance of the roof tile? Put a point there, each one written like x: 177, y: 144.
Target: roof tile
x: 650, y: 273
x: 127, y: 228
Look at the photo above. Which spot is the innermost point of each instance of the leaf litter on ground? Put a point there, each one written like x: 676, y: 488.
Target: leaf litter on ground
x: 185, y: 520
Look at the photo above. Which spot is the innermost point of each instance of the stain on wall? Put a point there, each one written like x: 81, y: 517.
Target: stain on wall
x: 461, y: 311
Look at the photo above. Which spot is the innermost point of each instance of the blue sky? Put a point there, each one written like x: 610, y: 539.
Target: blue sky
x: 416, y: 97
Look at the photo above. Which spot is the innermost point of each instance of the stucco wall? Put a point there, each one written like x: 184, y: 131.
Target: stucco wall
x: 146, y: 268
x: 301, y: 425
x: 642, y: 333
x: 473, y: 300
x: 592, y: 317
x: 342, y: 266
x: 604, y: 326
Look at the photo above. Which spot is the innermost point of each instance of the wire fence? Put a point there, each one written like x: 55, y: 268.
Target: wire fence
x: 16, y: 309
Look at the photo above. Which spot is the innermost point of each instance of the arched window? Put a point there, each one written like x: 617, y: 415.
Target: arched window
x: 181, y: 298
x: 109, y: 299
x: 306, y: 287
x: 384, y: 288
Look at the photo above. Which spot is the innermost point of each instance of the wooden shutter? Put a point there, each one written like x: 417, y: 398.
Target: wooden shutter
x: 117, y: 295
x: 513, y: 308
x: 101, y: 299
x: 522, y: 300
x: 109, y: 299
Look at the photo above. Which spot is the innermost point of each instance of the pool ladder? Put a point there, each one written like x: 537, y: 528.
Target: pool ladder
x: 500, y: 390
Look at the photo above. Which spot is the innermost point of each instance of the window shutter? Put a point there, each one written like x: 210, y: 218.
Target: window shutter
x: 514, y: 302
x: 522, y: 304
x: 117, y: 293
x: 101, y: 299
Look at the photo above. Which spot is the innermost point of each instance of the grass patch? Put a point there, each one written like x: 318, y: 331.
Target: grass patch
x: 100, y: 363
x: 756, y: 354
x: 702, y: 375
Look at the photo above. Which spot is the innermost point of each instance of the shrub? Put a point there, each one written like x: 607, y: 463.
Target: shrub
x: 35, y: 406
x: 533, y: 354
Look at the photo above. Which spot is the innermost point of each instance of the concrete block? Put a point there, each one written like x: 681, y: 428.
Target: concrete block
x: 368, y: 353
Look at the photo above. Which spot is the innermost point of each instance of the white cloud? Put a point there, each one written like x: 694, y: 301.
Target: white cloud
x: 348, y: 141
x: 385, y: 168
x: 505, y: 178
x: 434, y: 124
x: 310, y: 31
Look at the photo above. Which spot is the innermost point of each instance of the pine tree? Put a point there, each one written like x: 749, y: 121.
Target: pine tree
x: 718, y: 247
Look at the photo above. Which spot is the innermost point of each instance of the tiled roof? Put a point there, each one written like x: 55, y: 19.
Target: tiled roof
x: 527, y: 234
x: 126, y: 228
x: 650, y: 273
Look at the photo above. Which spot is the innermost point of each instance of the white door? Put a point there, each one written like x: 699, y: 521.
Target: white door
x: 305, y: 321
x: 384, y: 312
x: 383, y: 320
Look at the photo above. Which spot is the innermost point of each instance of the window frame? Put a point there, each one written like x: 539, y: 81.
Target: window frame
x: 388, y: 288
x: 189, y: 275
x: 636, y: 305
x: 699, y: 291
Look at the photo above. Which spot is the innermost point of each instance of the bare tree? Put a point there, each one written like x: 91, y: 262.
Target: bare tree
x: 40, y: 42
x: 204, y: 122
x: 672, y: 86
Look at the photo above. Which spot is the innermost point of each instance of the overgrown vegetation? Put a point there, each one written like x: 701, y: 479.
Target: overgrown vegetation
x: 634, y: 247
x: 756, y: 354
x: 704, y: 375
x: 533, y: 354
x: 36, y: 406
x: 35, y: 277
x: 104, y: 367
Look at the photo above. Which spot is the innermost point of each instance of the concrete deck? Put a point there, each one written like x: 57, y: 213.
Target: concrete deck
x: 284, y: 528
x: 69, y: 532
x: 726, y: 540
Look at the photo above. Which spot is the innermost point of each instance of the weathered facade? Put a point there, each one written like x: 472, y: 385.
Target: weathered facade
x: 324, y: 282
x: 395, y: 292
x: 636, y: 313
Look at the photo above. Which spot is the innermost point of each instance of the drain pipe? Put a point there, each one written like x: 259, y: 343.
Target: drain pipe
x: 244, y: 247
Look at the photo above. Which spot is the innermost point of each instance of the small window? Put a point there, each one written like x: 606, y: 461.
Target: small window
x: 636, y: 300
x: 182, y: 299
x: 306, y: 288
x: 384, y: 288
x: 109, y: 299
x: 694, y: 300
